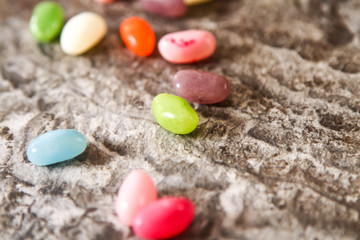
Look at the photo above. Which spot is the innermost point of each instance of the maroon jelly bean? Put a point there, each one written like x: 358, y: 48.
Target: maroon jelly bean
x: 201, y: 87
x: 165, y: 8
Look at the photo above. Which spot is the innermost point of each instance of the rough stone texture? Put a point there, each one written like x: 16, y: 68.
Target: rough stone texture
x: 280, y: 159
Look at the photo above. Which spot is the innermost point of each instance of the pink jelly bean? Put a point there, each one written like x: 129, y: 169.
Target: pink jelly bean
x: 164, y: 218
x: 136, y: 192
x: 104, y: 1
x: 187, y: 46
x: 201, y: 87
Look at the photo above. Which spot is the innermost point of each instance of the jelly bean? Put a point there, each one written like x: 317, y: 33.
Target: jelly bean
x: 164, y: 218
x: 138, y: 36
x: 194, y: 2
x: 136, y: 192
x: 82, y: 32
x: 56, y: 146
x: 46, y: 21
x: 201, y: 87
x: 105, y: 1
x: 174, y: 114
x: 187, y: 46
x: 165, y: 8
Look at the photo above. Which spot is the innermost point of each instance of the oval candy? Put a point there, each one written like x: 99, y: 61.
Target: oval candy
x: 201, y: 87
x: 105, y: 1
x: 165, y: 8
x: 174, y: 114
x: 187, y: 46
x: 82, y: 32
x: 164, y: 218
x: 138, y: 36
x: 56, y: 146
x: 136, y: 192
x: 46, y: 21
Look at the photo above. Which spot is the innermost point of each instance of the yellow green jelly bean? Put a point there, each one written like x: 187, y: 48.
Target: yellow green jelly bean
x: 174, y: 113
x: 46, y: 21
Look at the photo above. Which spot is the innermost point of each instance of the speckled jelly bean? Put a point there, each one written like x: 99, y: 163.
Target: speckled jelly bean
x: 201, y: 87
x: 165, y: 8
x: 174, y: 114
x: 82, y: 32
x: 46, y: 21
x: 138, y: 36
x: 165, y: 218
x: 187, y: 46
x: 56, y: 146
x: 136, y: 192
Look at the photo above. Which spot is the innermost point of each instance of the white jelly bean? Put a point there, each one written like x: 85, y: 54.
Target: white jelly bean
x: 82, y: 32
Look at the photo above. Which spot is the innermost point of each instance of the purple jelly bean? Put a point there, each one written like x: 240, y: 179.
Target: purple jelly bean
x: 165, y: 8
x: 201, y: 87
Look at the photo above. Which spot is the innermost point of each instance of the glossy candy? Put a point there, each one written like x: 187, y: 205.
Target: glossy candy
x: 187, y: 46
x: 194, y: 2
x: 174, y: 114
x: 46, y: 21
x: 105, y: 1
x: 136, y: 192
x: 138, y: 36
x: 56, y: 146
x: 201, y: 87
x: 82, y: 32
x: 164, y: 218
x: 165, y: 8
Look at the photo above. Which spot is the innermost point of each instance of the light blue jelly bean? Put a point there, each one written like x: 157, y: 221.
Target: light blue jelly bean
x: 56, y: 146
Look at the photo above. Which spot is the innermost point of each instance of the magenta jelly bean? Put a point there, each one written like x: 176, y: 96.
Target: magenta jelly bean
x: 201, y: 87
x: 165, y: 8
x: 187, y: 46
x: 165, y: 218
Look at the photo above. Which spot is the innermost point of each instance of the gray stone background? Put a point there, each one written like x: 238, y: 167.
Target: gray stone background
x: 279, y: 159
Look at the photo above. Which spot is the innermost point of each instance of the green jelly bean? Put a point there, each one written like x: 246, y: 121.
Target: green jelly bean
x: 46, y: 21
x: 174, y: 114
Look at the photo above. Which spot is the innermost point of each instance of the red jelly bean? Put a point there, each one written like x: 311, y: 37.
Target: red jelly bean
x: 104, y: 1
x: 138, y: 36
x: 164, y: 218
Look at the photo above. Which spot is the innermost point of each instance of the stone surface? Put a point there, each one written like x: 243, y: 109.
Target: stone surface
x: 164, y: 218
x: 188, y: 46
x: 201, y: 87
x: 279, y: 159
x: 136, y: 192
x: 56, y: 146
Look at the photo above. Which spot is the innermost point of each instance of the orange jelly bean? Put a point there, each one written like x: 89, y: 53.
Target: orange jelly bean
x: 138, y: 36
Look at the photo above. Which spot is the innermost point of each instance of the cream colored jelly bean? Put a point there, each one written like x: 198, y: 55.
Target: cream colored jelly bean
x: 82, y: 32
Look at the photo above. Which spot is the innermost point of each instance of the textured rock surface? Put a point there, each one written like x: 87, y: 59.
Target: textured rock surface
x: 280, y: 159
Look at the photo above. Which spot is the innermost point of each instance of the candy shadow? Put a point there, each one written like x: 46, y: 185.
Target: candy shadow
x: 215, y: 9
x: 93, y: 156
